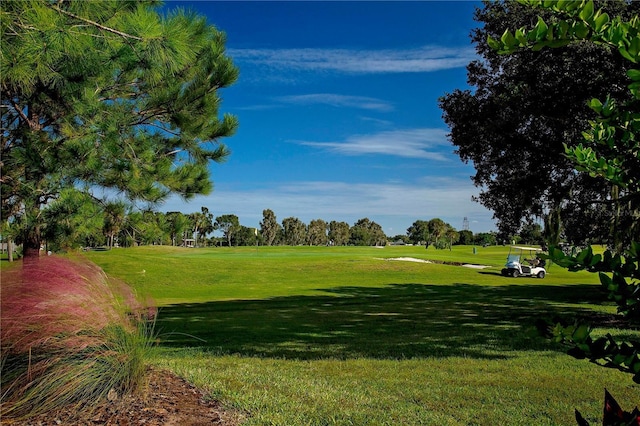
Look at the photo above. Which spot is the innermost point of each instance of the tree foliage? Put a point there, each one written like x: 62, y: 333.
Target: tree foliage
x: 317, y: 232
x: 229, y: 224
x: 339, y: 233
x: 611, y: 151
x: 107, y: 94
x: 366, y: 232
x: 418, y: 232
x: 295, y: 231
x: 269, y: 227
x: 523, y: 109
x: 202, y: 223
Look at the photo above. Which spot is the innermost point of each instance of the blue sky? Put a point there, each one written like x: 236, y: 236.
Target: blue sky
x: 337, y: 103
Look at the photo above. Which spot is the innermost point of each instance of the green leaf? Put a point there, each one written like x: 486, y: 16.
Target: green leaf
x: 584, y: 257
x: 541, y: 29
x: 587, y: 11
x: 581, y: 333
x: 634, y: 48
x: 508, y: 39
x: 596, y: 105
x: 571, y: 5
x: 493, y: 43
x: 581, y: 30
x: 520, y: 36
x: 601, y: 21
x: 625, y: 54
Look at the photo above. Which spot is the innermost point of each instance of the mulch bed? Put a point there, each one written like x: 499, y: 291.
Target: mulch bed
x: 168, y: 401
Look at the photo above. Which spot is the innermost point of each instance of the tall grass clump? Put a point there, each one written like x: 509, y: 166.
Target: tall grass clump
x: 70, y: 335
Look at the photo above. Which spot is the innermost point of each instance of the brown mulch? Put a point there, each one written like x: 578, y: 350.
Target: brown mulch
x: 168, y: 401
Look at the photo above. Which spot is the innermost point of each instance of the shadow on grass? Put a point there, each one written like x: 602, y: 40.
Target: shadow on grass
x: 396, y: 321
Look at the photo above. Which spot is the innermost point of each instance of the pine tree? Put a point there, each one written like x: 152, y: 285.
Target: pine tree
x: 107, y: 94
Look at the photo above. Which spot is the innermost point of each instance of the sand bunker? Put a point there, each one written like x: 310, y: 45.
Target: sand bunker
x: 408, y: 259
x: 413, y: 259
x: 469, y: 265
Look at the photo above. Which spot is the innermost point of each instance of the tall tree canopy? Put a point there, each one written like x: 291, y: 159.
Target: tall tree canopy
x: 295, y: 231
x: 107, y: 94
x: 229, y: 224
x: 610, y: 151
x: 317, y: 232
x: 366, y: 232
x: 523, y: 107
x: 269, y: 226
x: 338, y: 233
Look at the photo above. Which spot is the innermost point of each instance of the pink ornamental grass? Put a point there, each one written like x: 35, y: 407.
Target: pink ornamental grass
x: 69, y: 335
x: 54, y: 301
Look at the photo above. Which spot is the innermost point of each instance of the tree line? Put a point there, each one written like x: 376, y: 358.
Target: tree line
x: 77, y: 221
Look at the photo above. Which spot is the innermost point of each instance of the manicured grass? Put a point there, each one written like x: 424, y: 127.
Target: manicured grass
x: 338, y: 335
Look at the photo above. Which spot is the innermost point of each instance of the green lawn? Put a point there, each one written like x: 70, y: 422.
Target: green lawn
x: 339, y: 335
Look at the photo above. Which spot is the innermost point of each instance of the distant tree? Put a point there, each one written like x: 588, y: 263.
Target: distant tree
x: 436, y: 229
x: 114, y: 216
x: 367, y: 233
x: 8, y: 233
x: 531, y: 233
x: 107, y: 94
x: 486, y: 239
x: 269, y: 227
x: 466, y: 237
x: 229, y: 224
x: 338, y: 233
x: 202, y: 223
x: 451, y: 236
x: 245, y: 236
x: 74, y: 219
x: 317, y: 232
x: 513, y: 123
x: 178, y: 224
x: 418, y: 232
x: 152, y: 228
x: 295, y: 231
x: 131, y: 229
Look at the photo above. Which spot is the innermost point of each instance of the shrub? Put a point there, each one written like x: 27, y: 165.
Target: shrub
x: 69, y: 335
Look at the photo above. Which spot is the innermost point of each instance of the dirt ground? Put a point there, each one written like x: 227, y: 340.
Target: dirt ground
x: 168, y: 401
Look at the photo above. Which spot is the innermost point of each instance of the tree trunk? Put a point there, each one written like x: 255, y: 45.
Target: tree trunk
x: 10, y: 249
x: 31, y: 241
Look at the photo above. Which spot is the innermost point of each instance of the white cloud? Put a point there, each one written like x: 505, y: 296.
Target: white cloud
x: 393, y: 205
x: 424, y: 59
x: 336, y: 100
x: 331, y: 99
x: 410, y: 143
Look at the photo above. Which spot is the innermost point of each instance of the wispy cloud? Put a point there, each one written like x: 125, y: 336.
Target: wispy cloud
x: 336, y: 100
x: 410, y: 143
x: 331, y: 99
x: 424, y: 59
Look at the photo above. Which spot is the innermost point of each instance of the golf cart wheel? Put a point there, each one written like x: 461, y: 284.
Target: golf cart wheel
x: 515, y: 273
x: 541, y: 274
x: 505, y: 272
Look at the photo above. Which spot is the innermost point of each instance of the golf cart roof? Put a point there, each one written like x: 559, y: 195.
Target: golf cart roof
x: 526, y: 248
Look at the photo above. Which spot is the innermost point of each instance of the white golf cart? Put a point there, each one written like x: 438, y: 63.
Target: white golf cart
x: 515, y: 268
